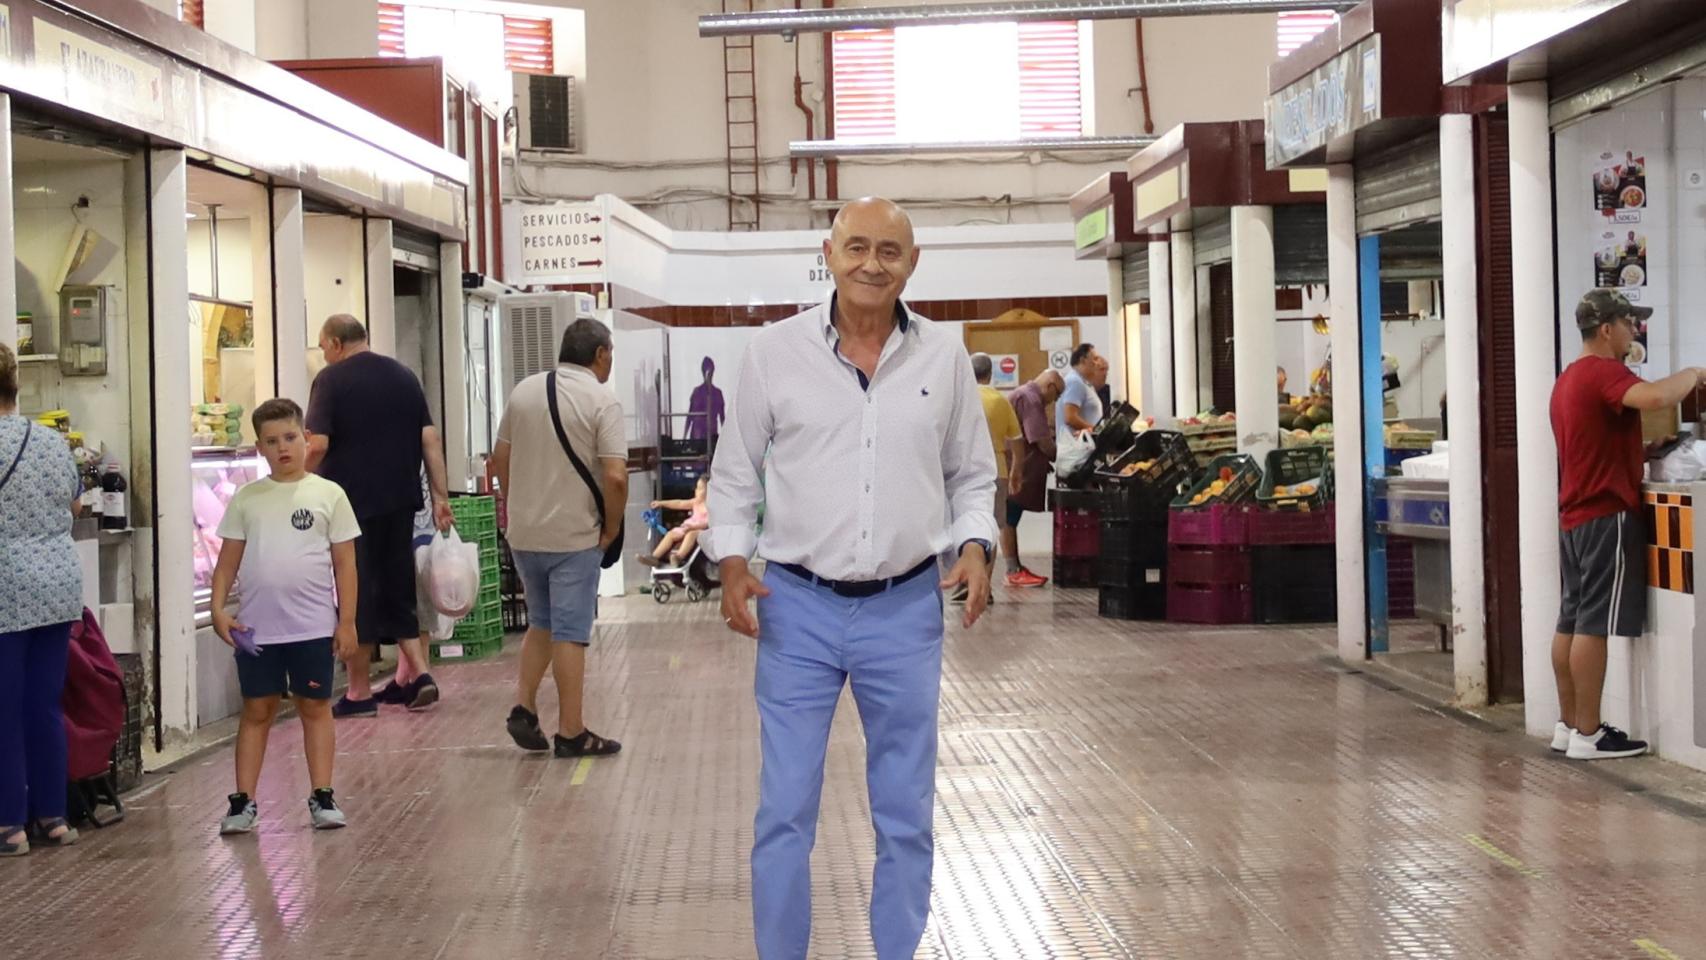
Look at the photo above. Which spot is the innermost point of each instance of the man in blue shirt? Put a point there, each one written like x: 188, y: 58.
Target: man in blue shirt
x: 1079, y: 407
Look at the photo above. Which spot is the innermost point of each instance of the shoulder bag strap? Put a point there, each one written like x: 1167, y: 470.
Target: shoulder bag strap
x: 16, y: 458
x: 563, y: 438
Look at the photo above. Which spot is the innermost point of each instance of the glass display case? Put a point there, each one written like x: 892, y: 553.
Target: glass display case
x: 215, y: 475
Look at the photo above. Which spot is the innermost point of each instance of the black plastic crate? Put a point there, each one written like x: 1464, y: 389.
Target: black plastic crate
x: 1140, y: 503
x: 1295, y: 568
x: 1142, y: 541
x: 1292, y: 467
x: 1074, y: 572
x: 1166, y: 457
x: 1318, y: 604
x: 1130, y: 574
x: 1148, y: 602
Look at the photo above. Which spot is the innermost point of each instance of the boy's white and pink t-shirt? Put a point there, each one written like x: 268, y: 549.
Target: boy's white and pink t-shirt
x: 285, y: 584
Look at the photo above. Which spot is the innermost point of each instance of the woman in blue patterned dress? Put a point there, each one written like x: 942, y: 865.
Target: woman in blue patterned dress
x: 41, y: 595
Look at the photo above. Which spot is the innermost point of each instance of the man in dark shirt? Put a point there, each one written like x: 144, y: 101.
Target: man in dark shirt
x: 369, y: 430
x: 1596, y: 417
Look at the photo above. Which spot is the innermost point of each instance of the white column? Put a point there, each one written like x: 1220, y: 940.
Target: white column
x: 1253, y: 323
x: 1160, y: 345
x: 1347, y: 411
x: 290, y: 295
x: 162, y: 512
x: 1536, y: 369
x: 1184, y: 271
x: 1463, y: 392
x: 381, y: 287
x: 1115, y: 350
x: 453, y: 316
x: 9, y: 275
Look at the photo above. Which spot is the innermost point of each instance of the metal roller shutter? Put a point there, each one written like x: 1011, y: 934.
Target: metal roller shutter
x: 1399, y: 186
x: 1214, y: 240
x: 1412, y: 253
x: 1300, y: 244
x: 1134, y: 273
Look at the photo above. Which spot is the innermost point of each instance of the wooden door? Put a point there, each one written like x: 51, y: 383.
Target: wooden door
x: 1018, y: 332
x: 1497, y: 362
x: 1223, y: 379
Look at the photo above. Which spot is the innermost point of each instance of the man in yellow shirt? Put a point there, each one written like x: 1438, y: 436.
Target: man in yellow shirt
x: 1009, y: 443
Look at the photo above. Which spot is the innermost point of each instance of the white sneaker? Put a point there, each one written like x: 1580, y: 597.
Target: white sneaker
x: 1561, y: 737
x: 1607, y: 743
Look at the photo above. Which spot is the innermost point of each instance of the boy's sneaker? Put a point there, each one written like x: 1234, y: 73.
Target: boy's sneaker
x: 242, y: 816
x: 1607, y: 743
x: 1561, y: 737
x: 422, y: 693
x: 345, y: 707
x: 394, y: 693
x: 523, y: 727
x: 323, y: 811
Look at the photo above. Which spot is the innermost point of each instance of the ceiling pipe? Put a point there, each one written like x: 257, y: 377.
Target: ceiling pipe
x: 790, y: 22
x: 828, y: 149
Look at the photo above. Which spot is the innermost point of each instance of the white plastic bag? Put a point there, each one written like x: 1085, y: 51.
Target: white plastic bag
x: 1072, y: 453
x: 1682, y: 465
x: 454, y: 570
x: 433, y: 623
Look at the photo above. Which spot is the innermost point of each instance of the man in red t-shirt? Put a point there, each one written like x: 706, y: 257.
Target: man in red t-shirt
x: 1596, y: 417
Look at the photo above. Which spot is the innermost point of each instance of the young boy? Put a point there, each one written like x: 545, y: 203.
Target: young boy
x: 291, y: 536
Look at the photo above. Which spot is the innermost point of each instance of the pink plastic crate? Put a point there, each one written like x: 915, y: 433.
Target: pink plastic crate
x: 1188, y: 564
x: 1218, y: 525
x: 1074, y: 537
x: 1226, y: 603
x: 1287, y: 527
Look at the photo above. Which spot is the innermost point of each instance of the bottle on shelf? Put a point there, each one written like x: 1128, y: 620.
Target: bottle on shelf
x: 113, y: 489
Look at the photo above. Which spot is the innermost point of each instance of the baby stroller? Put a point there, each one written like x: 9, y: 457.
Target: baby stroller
x: 695, y: 576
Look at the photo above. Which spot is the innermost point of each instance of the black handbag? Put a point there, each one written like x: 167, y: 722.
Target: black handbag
x: 612, y: 553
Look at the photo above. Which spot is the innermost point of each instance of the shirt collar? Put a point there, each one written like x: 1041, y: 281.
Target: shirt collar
x: 902, y: 320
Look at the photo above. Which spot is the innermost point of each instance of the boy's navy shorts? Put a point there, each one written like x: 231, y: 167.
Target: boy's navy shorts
x: 303, y: 667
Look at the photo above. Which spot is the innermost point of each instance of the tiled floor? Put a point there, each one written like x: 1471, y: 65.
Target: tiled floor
x: 1106, y: 790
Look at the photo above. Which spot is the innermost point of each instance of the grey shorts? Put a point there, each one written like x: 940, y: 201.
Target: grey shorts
x: 562, y: 592
x: 1604, y: 565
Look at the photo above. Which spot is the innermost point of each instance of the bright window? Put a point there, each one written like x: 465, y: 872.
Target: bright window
x: 478, y: 47
x: 977, y: 81
x: 1297, y: 29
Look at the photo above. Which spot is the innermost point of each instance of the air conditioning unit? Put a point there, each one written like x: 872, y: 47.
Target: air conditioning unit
x: 532, y: 328
x: 545, y: 113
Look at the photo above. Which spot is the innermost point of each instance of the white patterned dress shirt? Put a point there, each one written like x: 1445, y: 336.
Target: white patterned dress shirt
x: 858, y: 482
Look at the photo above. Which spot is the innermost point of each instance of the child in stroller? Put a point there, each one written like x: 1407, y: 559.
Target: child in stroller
x: 679, y: 544
x: 687, y: 565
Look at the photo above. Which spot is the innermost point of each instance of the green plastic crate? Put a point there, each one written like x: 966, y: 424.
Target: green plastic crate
x: 477, y: 529
x: 455, y: 651
x: 485, y: 613
x: 474, y: 629
x: 471, y: 507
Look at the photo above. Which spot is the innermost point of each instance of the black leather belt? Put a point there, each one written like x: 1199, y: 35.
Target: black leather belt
x: 856, y: 589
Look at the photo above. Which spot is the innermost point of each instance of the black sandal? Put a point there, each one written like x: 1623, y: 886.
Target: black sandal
x: 10, y: 849
x: 588, y: 744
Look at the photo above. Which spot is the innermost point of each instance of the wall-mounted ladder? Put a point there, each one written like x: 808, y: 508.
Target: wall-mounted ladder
x: 740, y: 111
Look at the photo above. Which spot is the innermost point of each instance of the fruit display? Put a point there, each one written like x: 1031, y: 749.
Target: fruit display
x: 1136, y: 467
x: 1232, y: 479
x: 1209, y: 422
x: 1402, y: 436
x: 217, y: 425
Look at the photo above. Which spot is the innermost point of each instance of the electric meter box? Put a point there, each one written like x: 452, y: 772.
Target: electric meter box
x: 83, y: 331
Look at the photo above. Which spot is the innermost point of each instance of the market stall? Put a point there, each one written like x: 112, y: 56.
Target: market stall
x: 1604, y: 171
x: 147, y: 322
x: 1418, y: 213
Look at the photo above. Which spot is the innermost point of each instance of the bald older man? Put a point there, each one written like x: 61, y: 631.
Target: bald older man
x: 879, y: 461
x: 1027, y: 486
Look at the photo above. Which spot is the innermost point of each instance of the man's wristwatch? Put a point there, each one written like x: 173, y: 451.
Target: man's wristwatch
x: 985, y: 544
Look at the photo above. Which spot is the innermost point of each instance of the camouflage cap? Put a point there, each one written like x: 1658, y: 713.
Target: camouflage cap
x: 1604, y: 306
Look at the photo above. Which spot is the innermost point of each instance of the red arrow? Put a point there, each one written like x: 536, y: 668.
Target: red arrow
x: 597, y: 239
x: 592, y: 263
x: 595, y: 218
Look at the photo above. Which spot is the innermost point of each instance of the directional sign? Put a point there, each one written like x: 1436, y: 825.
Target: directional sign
x: 561, y: 241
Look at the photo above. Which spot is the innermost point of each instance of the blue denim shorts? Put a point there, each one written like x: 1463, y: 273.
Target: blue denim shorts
x: 562, y: 592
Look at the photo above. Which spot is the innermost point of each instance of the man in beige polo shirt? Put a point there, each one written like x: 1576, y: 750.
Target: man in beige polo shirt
x: 555, y: 531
